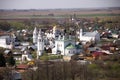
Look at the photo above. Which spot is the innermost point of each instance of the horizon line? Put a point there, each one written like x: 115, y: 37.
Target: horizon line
x: 62, y: 8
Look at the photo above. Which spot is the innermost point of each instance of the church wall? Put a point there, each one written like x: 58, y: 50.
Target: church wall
x: 60, y: 45
x: 70, y: 51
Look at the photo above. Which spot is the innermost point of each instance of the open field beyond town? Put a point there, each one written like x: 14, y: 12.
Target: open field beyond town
x: 58, y: 13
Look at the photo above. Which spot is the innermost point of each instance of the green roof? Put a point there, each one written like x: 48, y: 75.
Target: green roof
x: 70, y: 46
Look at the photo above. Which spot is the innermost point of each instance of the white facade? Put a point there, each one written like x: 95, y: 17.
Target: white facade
x: 54, y: 31
x: 7, y: 42
x: 26, y: 56
x: 35, y: 35
x: 70, y: 50
x: 89, y: 36
x: 52, y: 34
x: 38, y: 41
x: 49, y: 35
x: 62, y: 46
x: 40, y: 44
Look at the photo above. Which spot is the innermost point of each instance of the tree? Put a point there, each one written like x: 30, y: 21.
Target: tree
x: 2, y: 60
x: 10, y: 60
x: 6, y: 73
x: 5, y: 26
x: 17, y: 25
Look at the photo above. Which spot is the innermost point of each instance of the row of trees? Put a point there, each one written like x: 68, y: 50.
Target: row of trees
x: 56, y: 71
x: 6, y: 26
x: 106, y: 22
x: 5, y: 73
x: 98, y: 70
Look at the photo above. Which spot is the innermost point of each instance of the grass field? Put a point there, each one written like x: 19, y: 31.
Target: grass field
x: 58, y: 13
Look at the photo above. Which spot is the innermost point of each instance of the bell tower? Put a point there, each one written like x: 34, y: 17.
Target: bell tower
x: 81, y: 33
x: 40, y: 44
x: 35, y: 35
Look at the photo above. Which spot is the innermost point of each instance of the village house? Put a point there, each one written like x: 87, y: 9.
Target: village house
x: 7, y: 42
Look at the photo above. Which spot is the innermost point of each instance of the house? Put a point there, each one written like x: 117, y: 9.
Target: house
x: 7, y: 42
x: 101, y: 54
x: 26, y: 56
x: 7, y: 52
x: 115, y: 35
x: 17, y: 55
x: 97, y: 55
x: 106, y: 35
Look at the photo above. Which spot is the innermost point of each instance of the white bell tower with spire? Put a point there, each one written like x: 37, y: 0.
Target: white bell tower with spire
x: 81, y: 34
x: 40, y: 44
x: 35, y: 35
x: 54, y: 31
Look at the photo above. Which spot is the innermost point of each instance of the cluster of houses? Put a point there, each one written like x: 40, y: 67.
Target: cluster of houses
x: 57, y: 41
x: 61, y: 43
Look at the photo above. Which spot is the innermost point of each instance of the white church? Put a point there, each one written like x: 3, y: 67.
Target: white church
x: 40, y: 43
x: 50, y: 35
x: 89, y: 36
x: 66, y: 46
x: 35, y: 35
x: 38, y: 40
x: 63, y: 45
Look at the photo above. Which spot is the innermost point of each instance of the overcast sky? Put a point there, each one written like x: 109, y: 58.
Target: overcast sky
x: 53, y: 4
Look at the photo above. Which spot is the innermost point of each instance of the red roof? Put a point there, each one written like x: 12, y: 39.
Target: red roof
x: 97, y: 54
x: 22, y: 66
